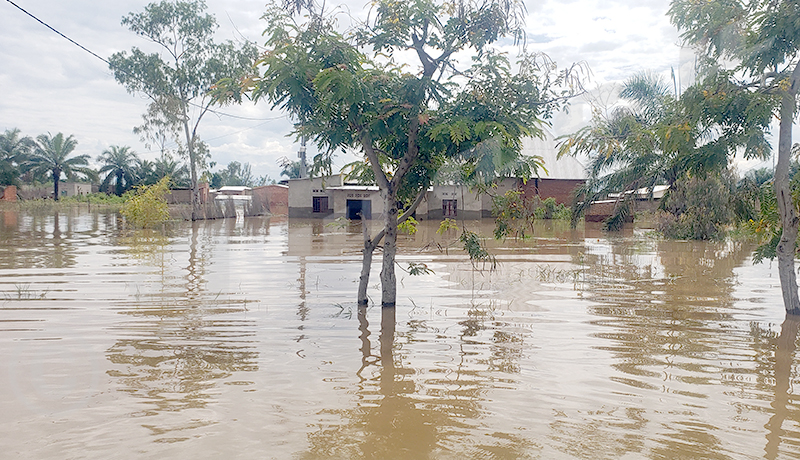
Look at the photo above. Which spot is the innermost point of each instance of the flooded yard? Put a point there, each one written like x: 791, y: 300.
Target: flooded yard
x: 242, y: 339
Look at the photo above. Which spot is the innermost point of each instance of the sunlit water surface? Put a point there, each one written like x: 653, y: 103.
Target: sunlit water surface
x: 242, y: 339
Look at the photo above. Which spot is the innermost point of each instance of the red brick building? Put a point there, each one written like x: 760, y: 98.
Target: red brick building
x: 563, y: 174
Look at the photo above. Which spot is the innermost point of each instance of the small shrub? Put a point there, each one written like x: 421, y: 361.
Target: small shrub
x: 697, y: 208
x: 146, y: 206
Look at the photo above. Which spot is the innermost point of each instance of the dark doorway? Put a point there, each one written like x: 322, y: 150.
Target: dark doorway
x: 358, y: 209
x: 450, y: 208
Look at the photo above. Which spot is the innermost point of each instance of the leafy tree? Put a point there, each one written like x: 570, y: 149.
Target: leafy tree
x: 752, y: 48
x: 177, y: 81
x: 235, y: 174
x: 405, y: 122
x: 120, y: 167
x: 14, y: 151
x: 51, y: 155
x: 290, y: 169
x: 698, y: 208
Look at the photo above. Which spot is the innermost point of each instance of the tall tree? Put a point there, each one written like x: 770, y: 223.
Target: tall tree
x: 178, y: 79
x: 406, y: 121
x: 753, y: 47
x: 235, y: 174
x: 52, y: 155
x: 119, y: 165
x: 14, y: 151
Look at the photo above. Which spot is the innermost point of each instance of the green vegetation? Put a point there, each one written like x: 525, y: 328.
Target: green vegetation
x: 119, y: 166
x: 406, y: 124
x: 178, y: 85
x: 146, y: 206
x: 52, y: 154
x: 750, y: 62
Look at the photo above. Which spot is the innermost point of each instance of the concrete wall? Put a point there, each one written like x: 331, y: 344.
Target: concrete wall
x: 303, y: 191
x: 342, y: 195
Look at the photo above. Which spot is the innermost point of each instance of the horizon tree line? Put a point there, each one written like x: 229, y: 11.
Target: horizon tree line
x: 25, y: 160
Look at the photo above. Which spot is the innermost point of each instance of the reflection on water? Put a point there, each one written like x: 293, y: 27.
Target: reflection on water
x: 242, y: 338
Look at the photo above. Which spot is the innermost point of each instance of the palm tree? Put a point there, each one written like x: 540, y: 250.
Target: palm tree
x: 627, y: 149
x: 14, y: 151
x: 119, y: 165
x: 51, y: 155
x: 167, y: 166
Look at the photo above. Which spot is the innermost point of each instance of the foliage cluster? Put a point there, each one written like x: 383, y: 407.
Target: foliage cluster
x: 698, y: 208
x: 146, y: 206
x: 514, y: 216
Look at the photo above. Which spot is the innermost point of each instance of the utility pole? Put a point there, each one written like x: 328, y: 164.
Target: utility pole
x: 302, y: 155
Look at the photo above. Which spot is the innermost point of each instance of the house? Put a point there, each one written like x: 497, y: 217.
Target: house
x: 74, y: 189
x: 322, y: 197
x: 331, y: 197
x: 458, y: 201
x: 184, y: 195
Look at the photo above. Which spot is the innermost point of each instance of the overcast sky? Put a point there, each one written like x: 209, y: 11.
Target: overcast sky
x: 48, y: 84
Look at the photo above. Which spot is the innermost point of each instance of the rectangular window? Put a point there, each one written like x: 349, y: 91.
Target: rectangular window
x: 450, y: 208
x: 320, y: 204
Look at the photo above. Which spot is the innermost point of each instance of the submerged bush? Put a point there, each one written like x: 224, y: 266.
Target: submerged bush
x: 146, y: 206
x: 697, y: 208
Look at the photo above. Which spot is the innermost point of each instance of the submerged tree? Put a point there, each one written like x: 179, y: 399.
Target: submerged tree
x: 177, y: 82
x: 52, y: 156
x: 759, y: 42
x: 406, y: 120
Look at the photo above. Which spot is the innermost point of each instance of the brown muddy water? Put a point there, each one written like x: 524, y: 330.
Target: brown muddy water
x: 242, y: 339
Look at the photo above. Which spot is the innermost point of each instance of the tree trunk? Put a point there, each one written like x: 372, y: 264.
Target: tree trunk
x: 56, y: 177
x: 388, y: 278
x: 119, y: 183
x: 371, y: 244
x: 786, y: 207
x: 366, y: 264
x: 196, y: 212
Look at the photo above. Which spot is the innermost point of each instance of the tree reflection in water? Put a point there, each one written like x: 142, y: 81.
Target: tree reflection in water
x: 402, y: 413
x: 782, y: 406
x: 181, y: 345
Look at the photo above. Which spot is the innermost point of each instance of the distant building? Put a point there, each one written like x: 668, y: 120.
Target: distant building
x: 74, y: 189
x: 458, y: 201
x: 276, y: 198
x: 321, y: 197
x: 331, y: 197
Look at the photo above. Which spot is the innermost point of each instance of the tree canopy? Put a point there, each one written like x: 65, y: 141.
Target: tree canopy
x: 52, y: 155
x: 353, y: 91
x: 178, y: 79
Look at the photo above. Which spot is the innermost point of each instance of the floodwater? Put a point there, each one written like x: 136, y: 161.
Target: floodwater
x: 242, y: 339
